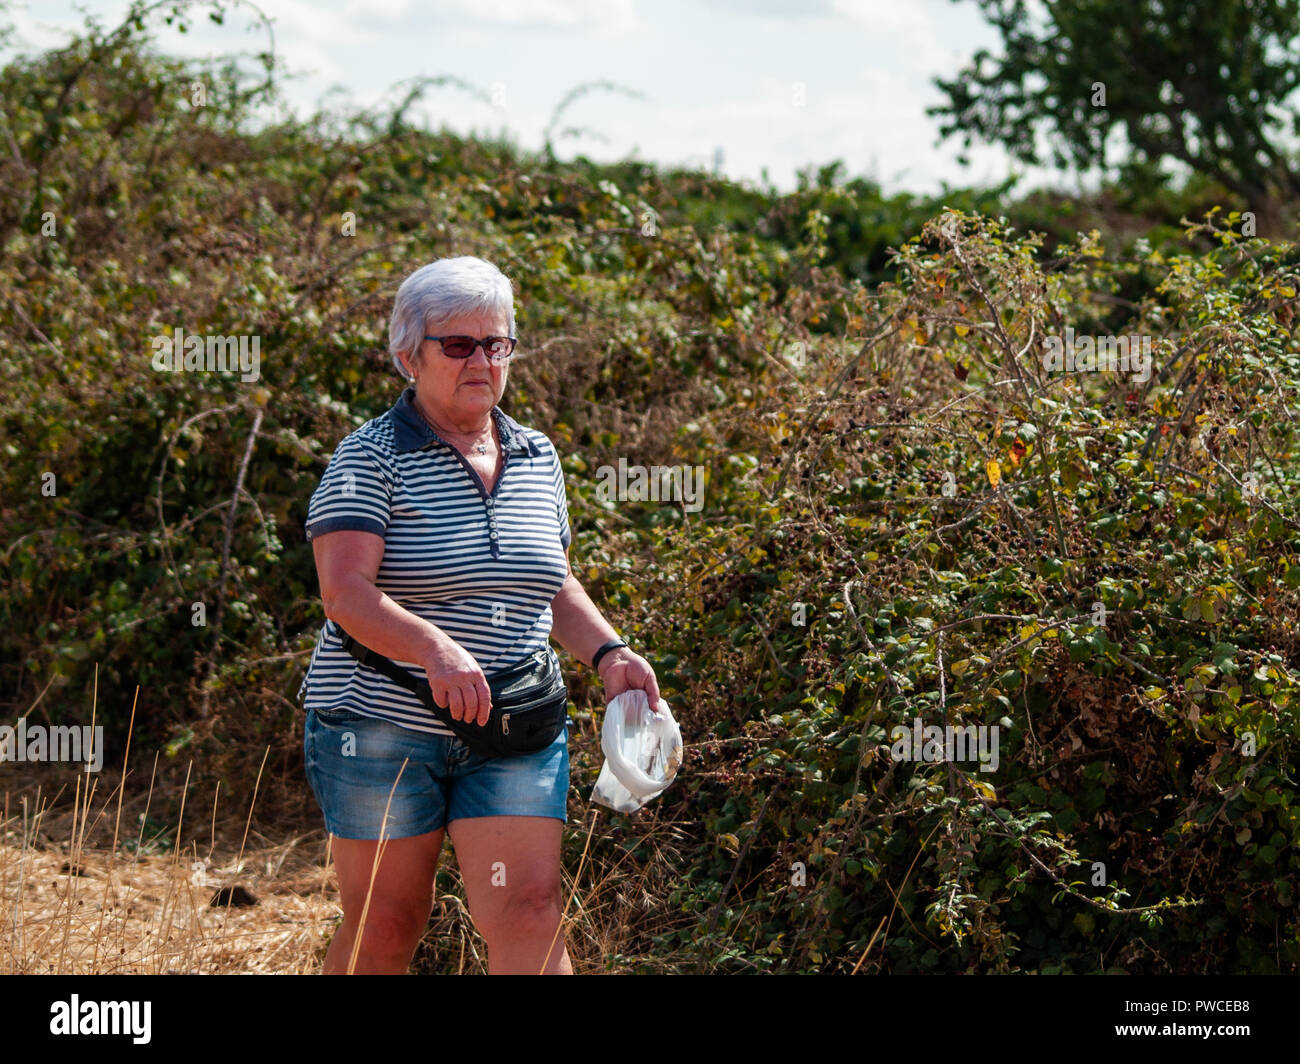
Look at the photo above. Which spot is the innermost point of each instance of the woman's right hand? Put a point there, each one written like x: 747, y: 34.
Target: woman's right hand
x: 457, y: 681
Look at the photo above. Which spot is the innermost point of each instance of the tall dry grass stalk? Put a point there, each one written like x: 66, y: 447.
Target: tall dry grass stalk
x: 67, y: 907
x: 80, y: 894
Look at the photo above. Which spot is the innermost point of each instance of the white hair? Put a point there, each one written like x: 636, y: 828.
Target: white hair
x: 441, y: 291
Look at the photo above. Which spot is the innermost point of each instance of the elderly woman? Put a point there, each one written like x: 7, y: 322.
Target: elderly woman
x: 441, y: 538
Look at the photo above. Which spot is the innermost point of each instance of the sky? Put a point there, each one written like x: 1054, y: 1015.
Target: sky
x: 737, y: 86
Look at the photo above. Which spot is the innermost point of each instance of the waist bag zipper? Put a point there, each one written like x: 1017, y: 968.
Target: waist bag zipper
x: 505, y: 724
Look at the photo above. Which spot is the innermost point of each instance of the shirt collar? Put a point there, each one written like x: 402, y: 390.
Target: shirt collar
x: 412, y: 433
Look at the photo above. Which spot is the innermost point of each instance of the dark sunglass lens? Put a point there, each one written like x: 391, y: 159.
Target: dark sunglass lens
x: 458, y: 346
x: 499, y: 347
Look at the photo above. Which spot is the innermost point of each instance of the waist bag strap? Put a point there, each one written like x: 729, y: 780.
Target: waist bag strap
x: 419, y: 688
x: 542, y: 703
x: 390, y: 669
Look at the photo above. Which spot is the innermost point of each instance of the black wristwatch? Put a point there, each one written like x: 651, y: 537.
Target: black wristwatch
x: 611, y: 645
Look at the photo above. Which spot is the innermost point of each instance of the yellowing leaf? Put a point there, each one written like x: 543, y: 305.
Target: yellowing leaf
x: 994, y: 472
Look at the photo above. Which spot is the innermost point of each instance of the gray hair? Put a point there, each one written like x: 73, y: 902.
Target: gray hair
x: 443, y: 290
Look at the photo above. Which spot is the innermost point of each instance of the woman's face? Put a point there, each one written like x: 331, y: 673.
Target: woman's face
x: 460, y: 391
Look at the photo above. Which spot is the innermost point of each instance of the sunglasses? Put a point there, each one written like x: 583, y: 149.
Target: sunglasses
x: 497, y: 348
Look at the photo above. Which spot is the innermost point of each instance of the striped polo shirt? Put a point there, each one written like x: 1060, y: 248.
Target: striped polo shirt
x: 483, y: 568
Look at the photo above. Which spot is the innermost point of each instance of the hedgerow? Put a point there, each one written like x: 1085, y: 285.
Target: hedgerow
x: 907, y: 517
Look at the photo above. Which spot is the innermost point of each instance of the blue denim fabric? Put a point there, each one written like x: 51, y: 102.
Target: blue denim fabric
x: 353, y: 762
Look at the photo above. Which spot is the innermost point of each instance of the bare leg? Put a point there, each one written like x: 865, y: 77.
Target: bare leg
x: 399, y: 902
x: 511, y: 869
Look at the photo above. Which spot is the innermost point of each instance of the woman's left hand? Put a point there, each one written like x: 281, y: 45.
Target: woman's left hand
x: 621, y: 670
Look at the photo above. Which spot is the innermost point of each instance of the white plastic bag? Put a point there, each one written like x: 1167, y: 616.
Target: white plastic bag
x: 643, y: 750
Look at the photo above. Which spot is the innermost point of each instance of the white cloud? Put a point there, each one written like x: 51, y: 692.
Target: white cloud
x: 597, y: 15
x: 880, y: 132
x: 713, y: 73
x: 35, y: 35
x: 323, y: 24
x: 380, y: 10
x: 910, y: 28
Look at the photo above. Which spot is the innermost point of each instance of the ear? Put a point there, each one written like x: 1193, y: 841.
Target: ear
x: 409, y: 362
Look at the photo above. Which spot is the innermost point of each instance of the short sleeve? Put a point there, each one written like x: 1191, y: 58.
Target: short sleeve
x: 561, y: 503
x: 355, y: 492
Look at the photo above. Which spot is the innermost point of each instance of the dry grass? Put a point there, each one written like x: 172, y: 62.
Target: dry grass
x: 70, y: 908
x: 83, y: 889
x: 145, y: 915
x: 91, y: 883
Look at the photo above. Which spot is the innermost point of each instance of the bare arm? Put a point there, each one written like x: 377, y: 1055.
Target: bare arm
x: 579, y: 626
x: 347, y: 563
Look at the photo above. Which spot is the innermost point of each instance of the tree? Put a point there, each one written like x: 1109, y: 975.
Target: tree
x: 1204, y: 82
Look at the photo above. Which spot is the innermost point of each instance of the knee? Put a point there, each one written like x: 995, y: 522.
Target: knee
x: 392, y: 930
x: 530, y: 910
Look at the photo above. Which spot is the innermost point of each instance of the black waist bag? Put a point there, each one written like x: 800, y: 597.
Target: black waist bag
x: 529, y: 702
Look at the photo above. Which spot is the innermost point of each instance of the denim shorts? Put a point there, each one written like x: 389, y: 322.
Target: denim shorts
x: 354, y: 760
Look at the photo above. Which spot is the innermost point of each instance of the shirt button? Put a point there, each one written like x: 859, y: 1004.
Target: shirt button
x: 492, y: 534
